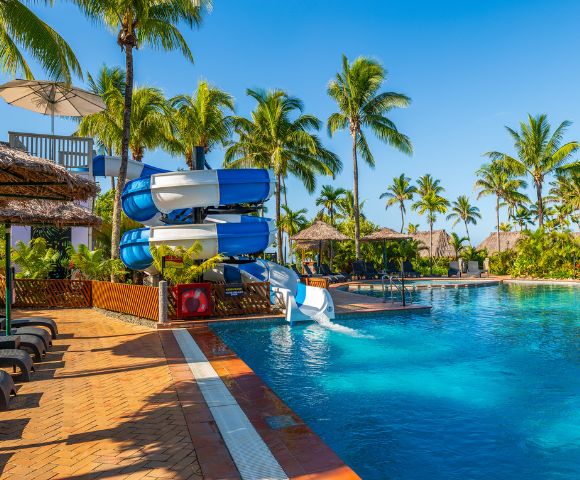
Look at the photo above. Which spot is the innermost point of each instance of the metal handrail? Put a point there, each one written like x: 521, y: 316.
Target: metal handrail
x: 399, y: 287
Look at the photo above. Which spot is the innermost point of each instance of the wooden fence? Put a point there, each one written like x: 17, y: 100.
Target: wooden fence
x: 49, y: 293
x: 137, y: 300
x: 317, y: 282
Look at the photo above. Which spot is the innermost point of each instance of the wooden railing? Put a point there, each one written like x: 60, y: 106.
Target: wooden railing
x: 317, y: 282
x: 74, y: 153
x: 137, y: 300
x: 49, y: 293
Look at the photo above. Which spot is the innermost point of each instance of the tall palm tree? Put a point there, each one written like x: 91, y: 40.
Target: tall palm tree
x: 345, y: 207
x: 495, y: 179
x: 565, y: 191
x: 431, y: 203
x: 522, y: 217
x: 279, y: 136
x: 291, y: 222
x: 328, y: 200
x: 399, y: 192
x: 457, y: 243
x: 427, y: 183
x: 201, y: 120
x: 147, y: 22
x: 412, y: 228
x: 463, y: 211
x: 356, y: 92
x: 538, y: 153
x: 21, y: 28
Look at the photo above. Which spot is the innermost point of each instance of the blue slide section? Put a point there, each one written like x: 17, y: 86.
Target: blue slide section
x: 255, y: 182
x: 252, y: 235
x: 135, y: 251
x: 137, y: 201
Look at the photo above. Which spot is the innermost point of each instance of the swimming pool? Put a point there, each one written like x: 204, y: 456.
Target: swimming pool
x: 486, y: 385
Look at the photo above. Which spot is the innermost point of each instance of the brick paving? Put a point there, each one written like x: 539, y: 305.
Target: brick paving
x: 102, y: 404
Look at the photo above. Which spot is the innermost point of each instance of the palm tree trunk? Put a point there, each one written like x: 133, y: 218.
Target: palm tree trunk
x: 116, y: 227
x: 540, y: 204
x: 331, y: 212
x: 431, y: 247
x: 279, y: 254
x: 355, y: 195
x: 497, y: 222
x: 402, y: 218
x: 467, y: 231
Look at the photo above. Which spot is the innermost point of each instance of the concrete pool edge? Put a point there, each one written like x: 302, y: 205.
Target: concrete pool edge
x: 300, y: 452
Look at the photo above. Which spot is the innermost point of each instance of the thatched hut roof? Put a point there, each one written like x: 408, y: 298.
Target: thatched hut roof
x: 305, y: 246
x: 507, y: 241
x: 441, y: 245
x: 46, y: 212
x: 25, y: 176
x: 385, y: 234
x: 318, y: 231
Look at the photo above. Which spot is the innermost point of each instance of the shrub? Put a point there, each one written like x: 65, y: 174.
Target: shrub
x: 36, y: 260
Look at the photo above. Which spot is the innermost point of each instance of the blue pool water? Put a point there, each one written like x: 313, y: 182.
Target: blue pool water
x: 485, y: 386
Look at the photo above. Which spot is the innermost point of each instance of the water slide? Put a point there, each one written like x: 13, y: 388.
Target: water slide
x: 164, y: 202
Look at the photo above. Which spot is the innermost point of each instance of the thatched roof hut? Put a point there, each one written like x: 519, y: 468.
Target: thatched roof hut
x: 25, y: 176
x: 507, y: 241
x: 441, y: 245
x: 385, y: 234
x: 46, y: 212
x: 317, y: 232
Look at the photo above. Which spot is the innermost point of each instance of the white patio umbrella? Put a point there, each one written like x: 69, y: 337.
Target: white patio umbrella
x: 51, y: 98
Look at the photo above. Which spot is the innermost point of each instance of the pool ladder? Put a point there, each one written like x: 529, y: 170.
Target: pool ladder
x: 396, y: 285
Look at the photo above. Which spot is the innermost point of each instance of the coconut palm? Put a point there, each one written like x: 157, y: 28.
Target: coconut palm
x: 522, y: 217
x: 20, y: 29
x: 278, y: 136
x: 399, y: 192
x: 565, y: 191
x: 457, y: 243
x: 201, y: 120
x: 328, y: 200
x: 427, y: 183
x: 356, y: 92
x: 139, y: 24
x: 495, y: 179
x: 412, y: 228
x: 431, y: 203
x: 291, y: 222
x: 345, y: 207
x: 538, y: 153
x: 463, y: 211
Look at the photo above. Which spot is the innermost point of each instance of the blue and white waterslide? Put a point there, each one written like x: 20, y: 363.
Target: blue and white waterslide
x: 163, y: 200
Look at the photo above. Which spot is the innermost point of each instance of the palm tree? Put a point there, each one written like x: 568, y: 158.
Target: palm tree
x: 356, y: 92
x: 345, y: 207
x: 565, y: 191
x: 412, y: 228
x: 147, y: 22
x: 291, y: 222
x: 431, y: 203
x: 495, y: 179
x: 538, y: 153
x: 328, y: 200
x: 201, y: 120
x: 522, y: 216
x: 427, y: 184
x: 463, y: 211
x: 456, y: 243
x: 21, y: 28
x: 278, y: 136
x: 399, y: 192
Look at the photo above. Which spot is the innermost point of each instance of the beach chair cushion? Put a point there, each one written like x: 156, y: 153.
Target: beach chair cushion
x: 12, y: 357
x: 33, y: 322
x: 7, y: 388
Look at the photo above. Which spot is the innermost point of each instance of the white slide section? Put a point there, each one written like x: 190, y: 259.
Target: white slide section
x: 174, y: 190
x: 112, y: 164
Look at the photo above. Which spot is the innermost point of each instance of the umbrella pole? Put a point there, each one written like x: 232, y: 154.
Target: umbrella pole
x: 319, y: 254
x: 8, y: 297
x: 385, y: 255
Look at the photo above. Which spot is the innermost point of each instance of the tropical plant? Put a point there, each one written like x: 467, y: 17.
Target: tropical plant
x: 399, y: 192
x: 412, y: 228
x: 565, y: 191
x: 463, y: 211
x: 360, y: 106
x: 36, y: 260
x: 188, y: 271
x: 278, y: 136
x: 328, y: 199
x: 427, y: 183
x: 538, y: 153
x: 201, y: 120
x: 505, y: 227
x: 457, y: 243
x: 431, y: 203
x: 495, y: 179
x: 345, y: 208
x: 522, y: 217
x: 147, y: 22
x: 94, y: 265
x: 21, y: 28
x: 291, y: 222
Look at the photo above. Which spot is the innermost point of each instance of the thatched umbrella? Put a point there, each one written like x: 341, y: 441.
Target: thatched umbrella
x: 23, y: 176
x: 508, y: 241
x: 441, y: 244
x: 383, y: 235
x: 46, y: 212
x: 319, y: 232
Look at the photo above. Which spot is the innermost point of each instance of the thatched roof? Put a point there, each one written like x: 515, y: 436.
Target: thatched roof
x: 308, y: 246
x: 318, y: 231
x: 25, y: 176
x: 507, y: 241
x: 46, y: 212
x: 384, y: 234
x: 441, y: 245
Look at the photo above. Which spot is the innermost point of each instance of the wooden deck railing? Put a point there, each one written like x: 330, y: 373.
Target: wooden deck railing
x: 137, y: 300
x: 49, y: 293
x: 317, y: 282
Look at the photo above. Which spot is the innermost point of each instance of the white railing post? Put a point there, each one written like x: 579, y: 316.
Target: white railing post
x: 162, y: 301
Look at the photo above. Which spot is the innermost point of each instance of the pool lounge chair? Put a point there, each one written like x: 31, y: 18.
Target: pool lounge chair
x: 41, y: 333
x: 13, y: 357
x: 454, y: 270
x: 371, y: 271
x: 30, y: 343
x: 33, y: 322
x: 310, y: 271
x: 358, y: 270
x: 409, y: 270
x: 392, y: 268
x: 473, y: 269
x: 7, y: 388
x: 339, y: 277
x: 294, y: 268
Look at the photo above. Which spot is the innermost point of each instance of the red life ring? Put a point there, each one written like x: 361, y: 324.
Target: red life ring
x: 194, y: 301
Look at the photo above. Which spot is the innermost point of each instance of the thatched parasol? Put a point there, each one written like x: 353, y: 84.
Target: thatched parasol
x: 383, y: 235
x: 25, y: 176
x: 319, y: 232
x: 441, y: 246
x: 508, y: 241
x: 46, y: 212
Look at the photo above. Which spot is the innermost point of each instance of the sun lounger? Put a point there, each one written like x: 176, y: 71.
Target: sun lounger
x: 297, y: 272
x: 12, y: 357
x: 409, y: 270
x: 33, y: 322
x: 41, y: 333
x: 7, y: 388
x: 392, y: 267
x: 371, y: 271
x: 358, y: 270
x: 339, y: 277
x: 454, y: 270
x: 33, y: 344
x: 310, y: 271
x: 473, y: 269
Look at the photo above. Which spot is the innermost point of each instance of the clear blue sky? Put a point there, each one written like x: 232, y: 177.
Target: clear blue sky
x: 470, y: 67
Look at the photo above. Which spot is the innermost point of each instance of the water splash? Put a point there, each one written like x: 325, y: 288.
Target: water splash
x: 324, y: 321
